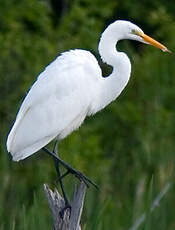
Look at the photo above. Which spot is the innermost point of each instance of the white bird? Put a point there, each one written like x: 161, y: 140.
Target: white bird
x: 71, y: 88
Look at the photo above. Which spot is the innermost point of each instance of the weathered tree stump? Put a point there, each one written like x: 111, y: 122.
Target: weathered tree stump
x: 71, y: 218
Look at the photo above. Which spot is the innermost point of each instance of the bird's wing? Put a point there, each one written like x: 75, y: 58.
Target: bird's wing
x: 56, y: 104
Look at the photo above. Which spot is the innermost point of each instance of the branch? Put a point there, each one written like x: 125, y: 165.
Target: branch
x: 71, y: 218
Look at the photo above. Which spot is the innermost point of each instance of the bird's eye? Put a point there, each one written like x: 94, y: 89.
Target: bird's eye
x: 135, y: 32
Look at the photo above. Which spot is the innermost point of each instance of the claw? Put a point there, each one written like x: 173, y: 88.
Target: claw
x: 61, y: 213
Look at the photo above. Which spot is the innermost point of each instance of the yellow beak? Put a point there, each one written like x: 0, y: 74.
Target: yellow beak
x: 153, y: 42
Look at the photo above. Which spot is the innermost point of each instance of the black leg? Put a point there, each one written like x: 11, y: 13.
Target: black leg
x: 70, y: 170
x: 55, y: 151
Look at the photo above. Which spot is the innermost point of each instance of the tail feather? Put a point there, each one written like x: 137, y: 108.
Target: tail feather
x: 25, y: 139
x: 29, y: 150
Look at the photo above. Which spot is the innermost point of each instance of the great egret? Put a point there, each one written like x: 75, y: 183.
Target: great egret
x: 71, y: 88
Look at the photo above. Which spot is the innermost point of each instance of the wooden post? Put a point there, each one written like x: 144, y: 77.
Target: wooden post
x: 71, y: 218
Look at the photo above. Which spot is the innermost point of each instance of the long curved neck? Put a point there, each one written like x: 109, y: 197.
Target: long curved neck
x: 112, y: 86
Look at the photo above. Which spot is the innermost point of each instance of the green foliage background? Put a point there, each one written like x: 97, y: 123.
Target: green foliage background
x: 128, y: 148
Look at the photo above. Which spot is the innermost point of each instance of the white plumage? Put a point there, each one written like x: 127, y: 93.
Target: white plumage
x: 69, y: 89
x: 56, y: 104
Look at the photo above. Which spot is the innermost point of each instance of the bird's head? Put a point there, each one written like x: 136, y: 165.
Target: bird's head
x: 133, y: 32
x: 120, y: 30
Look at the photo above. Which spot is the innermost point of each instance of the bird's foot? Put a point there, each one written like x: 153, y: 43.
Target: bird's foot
x: 66, y: 207
x: 70, y: 170
x: 79, y: 175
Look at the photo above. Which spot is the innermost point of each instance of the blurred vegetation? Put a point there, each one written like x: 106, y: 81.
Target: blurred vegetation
x: 128, y: 148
